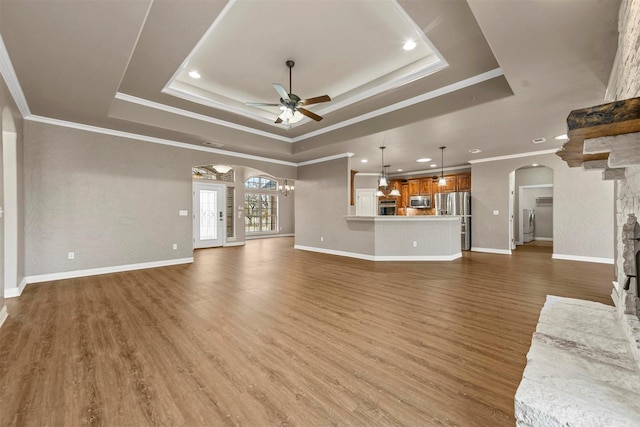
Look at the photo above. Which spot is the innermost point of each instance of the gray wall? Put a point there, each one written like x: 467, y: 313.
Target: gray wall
x: 322, y: 202
x: 111, y: 200
x: 582, y: 203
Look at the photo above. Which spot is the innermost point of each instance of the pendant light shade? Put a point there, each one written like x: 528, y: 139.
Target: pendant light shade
x: 442, y: 182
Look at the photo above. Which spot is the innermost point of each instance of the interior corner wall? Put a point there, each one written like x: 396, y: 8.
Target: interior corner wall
x: 322, y: 202
x: 582, y: 207
x: 112, y: 201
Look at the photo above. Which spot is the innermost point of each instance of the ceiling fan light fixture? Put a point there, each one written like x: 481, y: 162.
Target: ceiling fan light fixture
x: 289, y: 116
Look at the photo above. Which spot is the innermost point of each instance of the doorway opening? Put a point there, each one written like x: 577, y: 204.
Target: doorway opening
x: 531, y: 228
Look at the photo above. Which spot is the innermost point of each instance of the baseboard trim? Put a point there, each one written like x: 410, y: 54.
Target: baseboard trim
x: 544, y: 239
x: 582, y: 258
x: 229, y: 244
x: 3, y: 314
x: 491, y: 250
x: 106, y: 270
x: 382, y: 257
x: 17, y: 291
x: 267, y: 236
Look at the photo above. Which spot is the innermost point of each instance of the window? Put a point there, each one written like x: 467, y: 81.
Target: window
x: 261, y: 205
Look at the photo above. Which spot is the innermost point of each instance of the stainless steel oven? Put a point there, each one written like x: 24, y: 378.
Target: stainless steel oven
x: 387, y: 207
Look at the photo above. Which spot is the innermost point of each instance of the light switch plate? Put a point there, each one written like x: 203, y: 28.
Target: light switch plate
x: 183, y: 213
x: 496, y: 212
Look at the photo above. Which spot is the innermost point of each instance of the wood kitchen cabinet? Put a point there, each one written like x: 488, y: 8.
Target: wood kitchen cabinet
x: 425, y: 186
x: 414, y: 187
x: 404, y: 195
x: 463, y: 182
x: 448, y: 188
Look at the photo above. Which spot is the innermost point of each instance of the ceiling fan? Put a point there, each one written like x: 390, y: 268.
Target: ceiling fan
x: 291, y: 103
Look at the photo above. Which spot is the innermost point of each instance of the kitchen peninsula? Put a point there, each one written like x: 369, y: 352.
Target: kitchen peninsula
x: 410, y: 238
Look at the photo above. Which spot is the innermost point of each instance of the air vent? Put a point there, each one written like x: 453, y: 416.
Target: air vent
x: 538, y: 140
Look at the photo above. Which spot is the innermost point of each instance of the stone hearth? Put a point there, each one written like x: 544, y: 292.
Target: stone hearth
x: 580, y: 369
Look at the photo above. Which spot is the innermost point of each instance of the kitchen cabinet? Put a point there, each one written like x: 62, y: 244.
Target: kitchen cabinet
x: 404, y: 195
x: 425, y: 186
x: 449, y: 187
x: 463, y: 182
x: 414, y: 187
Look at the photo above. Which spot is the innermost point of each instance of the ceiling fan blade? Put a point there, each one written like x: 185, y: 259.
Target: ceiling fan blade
x: 283, y: 93
x: 261, y: 104
x: 309, y: 114
x: 278, y: 120
x: 316, y: 100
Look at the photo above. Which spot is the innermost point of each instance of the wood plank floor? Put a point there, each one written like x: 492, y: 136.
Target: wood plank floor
x: 268, y: 335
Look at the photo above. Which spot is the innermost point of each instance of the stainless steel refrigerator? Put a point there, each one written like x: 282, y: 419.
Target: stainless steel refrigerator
x: 528, y: 225
x: 458, y: 203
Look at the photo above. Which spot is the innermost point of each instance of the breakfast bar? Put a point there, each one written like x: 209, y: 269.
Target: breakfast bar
x: 413, y: 238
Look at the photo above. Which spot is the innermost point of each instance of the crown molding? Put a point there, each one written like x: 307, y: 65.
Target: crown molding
x: 154, y: 140
x: 11, y: 79
x: 325, y: 159
x: 406, y: 103
x: 515, y: 156
x: 186, y: 113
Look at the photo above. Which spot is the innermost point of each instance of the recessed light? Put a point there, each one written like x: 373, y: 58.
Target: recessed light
x: 433, y: 165
x: 561, y: 137
x: 538, y: 140
x: 194, y: 74
x: 398, y: 170
x: 535, y: 165
x: 475, y: 151
x: 364, y: 161
x: 423, y: 160
x: 409, y: 45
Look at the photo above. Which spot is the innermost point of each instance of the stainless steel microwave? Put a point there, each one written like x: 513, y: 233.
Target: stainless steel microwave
x: 420, y: 202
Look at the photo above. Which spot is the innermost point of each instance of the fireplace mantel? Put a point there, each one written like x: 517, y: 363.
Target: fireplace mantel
x: 604, y: 137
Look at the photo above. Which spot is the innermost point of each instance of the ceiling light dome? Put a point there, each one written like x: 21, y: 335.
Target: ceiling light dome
x: 409, y: 45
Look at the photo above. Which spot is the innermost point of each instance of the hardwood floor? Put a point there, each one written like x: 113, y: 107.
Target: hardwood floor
x: 268, y: 335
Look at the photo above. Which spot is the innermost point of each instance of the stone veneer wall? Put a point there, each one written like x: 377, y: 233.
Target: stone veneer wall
x: 625, y: 84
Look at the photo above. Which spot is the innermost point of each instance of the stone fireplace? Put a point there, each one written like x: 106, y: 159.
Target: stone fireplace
x: 583, y: 367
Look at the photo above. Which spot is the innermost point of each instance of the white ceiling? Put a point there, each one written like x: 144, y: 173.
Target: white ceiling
x: 511, y: 72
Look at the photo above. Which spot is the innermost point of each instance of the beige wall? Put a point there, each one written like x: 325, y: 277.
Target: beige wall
x: 582, y: 214
x: 113, y: 201
x: 322, y: 203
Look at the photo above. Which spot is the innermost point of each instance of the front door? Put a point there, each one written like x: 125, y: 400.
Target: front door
x: 208, y: 215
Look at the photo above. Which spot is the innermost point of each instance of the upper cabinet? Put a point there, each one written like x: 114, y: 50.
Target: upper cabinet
x: 420, y: 187
x: 414, y: 187
x: 448, y: 188
x: 463, y: 182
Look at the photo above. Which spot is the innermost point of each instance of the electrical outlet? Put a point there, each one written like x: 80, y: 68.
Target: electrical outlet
x: 71, y: 255
x: 415, y: 244
x: 322, y: 238
x: 175, y: 246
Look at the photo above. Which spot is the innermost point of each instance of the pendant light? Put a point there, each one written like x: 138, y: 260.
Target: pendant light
x: 383, y: 178
x: 383, y: 183
x: 442, y: 182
